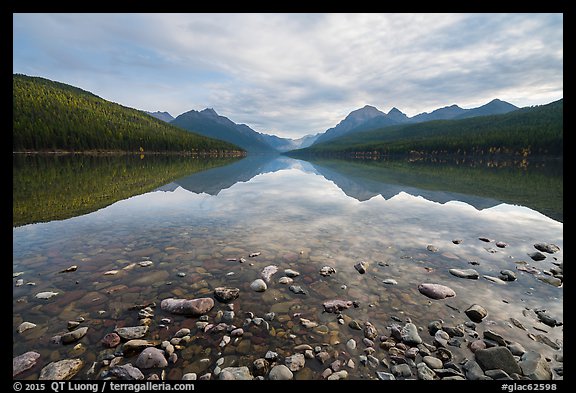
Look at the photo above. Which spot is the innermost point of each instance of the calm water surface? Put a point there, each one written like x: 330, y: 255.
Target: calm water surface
x: 288, y: 211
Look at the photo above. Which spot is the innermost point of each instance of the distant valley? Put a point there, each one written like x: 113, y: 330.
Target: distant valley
x: 209, y: 123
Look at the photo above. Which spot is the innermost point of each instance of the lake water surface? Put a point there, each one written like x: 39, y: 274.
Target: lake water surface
x: 199, y: 231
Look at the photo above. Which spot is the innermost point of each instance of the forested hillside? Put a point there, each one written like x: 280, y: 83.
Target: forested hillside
x: 49, y: 116
x: 528, y: 131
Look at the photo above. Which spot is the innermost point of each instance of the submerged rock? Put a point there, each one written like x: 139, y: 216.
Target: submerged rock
x: 235, y: 373
x: 291, y: 273
x: 476, y: 313
x: 268, y: 272
x: 297, y: 289
x: 548, y: 319
x: 497, y: 358
x: 494, y: 279
x: 46, y: 295
x: 280, y: 372
x: 327, y: 271
x: 226, y: 294
x: 126, y: 372
x: 424, y: 372
x: 383, y: 376
x: 336, y: 305
x: 537, y: 256
x: 409, y: 334
x: 432, y: 362
x: 507, y: 275
x: 545, y: 247
x: 295, y: 362
x: 151, y: 358
x: 25, y: 326
x: 72, y: 268
x: 131, y: 333
x: 62, y: 370
x: 192, y: 307
x: 465, y: 273
x: 258, y: 285
x: 535, y: 366
x: 136, y: 345
x: 74, y: 335
x: 24, y: 362
x: 111, y: 340
x: 555, y: 281
x: 360, y: 267
x: 370, y: 331
x: 436, y: 291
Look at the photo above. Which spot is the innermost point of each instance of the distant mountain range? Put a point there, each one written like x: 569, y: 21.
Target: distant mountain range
x: 209, y: 123
x: 370, y: 118
x: 536, y: 130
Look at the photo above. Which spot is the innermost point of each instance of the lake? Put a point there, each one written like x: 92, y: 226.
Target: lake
x: 107, y: 239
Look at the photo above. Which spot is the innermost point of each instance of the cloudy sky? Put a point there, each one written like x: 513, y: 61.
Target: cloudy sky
x: 296, y: 74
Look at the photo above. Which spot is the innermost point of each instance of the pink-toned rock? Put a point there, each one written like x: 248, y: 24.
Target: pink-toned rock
x: 24, y: 362
x: 476, y: 345
x: 111, y: 340
x: 193, y: 307
x: 436, y: 291
x: 336, y: 305
x: 151, y: 358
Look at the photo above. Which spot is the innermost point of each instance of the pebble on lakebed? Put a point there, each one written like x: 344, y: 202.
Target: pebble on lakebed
x: 436, y: 291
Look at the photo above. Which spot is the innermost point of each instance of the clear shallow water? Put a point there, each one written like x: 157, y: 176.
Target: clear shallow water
x: 295, y: 218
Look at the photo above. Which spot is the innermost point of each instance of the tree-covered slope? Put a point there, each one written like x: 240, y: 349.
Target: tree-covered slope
x: 527, y: 131
x: 49, y: 115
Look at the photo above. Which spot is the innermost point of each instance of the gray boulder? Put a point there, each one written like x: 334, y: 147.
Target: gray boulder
x: 535, y: 366
x: 497, y: 358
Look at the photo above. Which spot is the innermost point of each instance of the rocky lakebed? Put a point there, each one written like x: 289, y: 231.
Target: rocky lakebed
x: 441, y: 312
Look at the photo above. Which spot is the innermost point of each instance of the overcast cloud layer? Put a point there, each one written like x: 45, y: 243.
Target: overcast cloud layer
x: 296, y: 74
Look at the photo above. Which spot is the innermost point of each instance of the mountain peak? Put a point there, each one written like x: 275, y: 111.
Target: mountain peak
x: 397, y: 115
x: 209, y: 111
x: 364, y: 113
x: 368, y: 109
x: 209, y: 123
x: 164, y: 116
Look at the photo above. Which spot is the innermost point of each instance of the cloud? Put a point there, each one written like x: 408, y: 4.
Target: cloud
x: 294, y: 74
